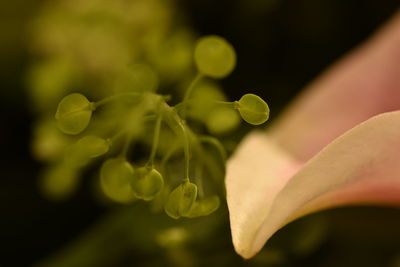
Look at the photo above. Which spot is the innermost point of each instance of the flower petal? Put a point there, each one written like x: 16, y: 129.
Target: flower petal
x: 255, y: 174
x: 361, y: 166
x: 361, y: 85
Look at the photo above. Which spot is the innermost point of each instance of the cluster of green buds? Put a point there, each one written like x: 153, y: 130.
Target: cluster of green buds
x: 126, y: 118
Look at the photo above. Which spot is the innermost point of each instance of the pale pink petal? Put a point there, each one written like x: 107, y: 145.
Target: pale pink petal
x: 267, y: 186
x: 362, y: 166
x: 255, y: 174
x: 363, y: 84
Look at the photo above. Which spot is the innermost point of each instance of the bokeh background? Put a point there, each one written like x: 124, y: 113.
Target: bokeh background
x: 281, y: 46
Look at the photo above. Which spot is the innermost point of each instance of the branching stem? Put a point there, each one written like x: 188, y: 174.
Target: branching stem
x: 189, y: 92
x: 156, y: 138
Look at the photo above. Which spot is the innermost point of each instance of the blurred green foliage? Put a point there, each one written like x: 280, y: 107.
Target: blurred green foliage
x: 281, y: 45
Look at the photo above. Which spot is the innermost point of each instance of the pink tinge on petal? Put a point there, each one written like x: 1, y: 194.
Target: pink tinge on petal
x: 360, y: 167
x: 362, y: 85
x: 278, y: 176
x: 381, y: 193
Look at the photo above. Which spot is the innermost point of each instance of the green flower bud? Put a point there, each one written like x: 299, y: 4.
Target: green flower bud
x: 204, y: 207
x: 146, y: 183
x: 73, y: 113
x: 253, y: 109
x: 138, y: 78
x: 48, y: 142
x: 202, y: 99
x: 59, y: 182
x: 93, y: 146
x: 214, y: 57
x: 181, y: 200
x: 86, y: 148
x: 115, y: 177
x: 222, y: 120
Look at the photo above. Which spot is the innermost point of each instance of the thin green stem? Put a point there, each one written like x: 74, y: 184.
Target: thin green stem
x: 118, y: 134
x: 149, y: 117
x: 113, y: 97
x: 115, y: 136
x: 199, y: 180
x: 156, y: 138
x: 172, y: 119
x: 225, y: 103
x: 127, y: 144
x: 166, y: 157
x: 216, y: 143
x: 186, y: 149
x: 181, y: 107
x: 189, y: 92
x: 212, y: 166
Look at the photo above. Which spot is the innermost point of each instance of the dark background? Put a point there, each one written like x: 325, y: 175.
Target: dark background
x: 281, y: 47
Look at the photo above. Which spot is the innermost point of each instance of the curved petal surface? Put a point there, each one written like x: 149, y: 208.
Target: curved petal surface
x: 269, y: 189
x: 361, y: 85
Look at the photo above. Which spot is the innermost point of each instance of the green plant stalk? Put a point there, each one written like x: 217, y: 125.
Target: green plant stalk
x: 173, y: 120
x: 188, y: 93
x: 155, y: 141
x: 127, y: 144
x: 186, y: 148
x: 113, y: 97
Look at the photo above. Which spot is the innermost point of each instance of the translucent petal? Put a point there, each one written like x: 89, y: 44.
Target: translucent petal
x: 265, y: 190
x: 361, y: 85
x: 359, y: 167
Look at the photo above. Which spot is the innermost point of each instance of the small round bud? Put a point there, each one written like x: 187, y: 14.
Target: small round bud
x: 73, y: 113
x: 214, y: 57
x: 173, y: 56
x: 202, y: 99
x: 86, y: 148
x: 204, y: 207
x: 59, y: 182
x: 253, y: 109
x: 115, y: 177
x: 93, y: 146
x: 146, y: 183
x: 138, y: 78
x: 181, y: 200
x: 222, y: 120
x: 173, y: 237
x: 48, y: 142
